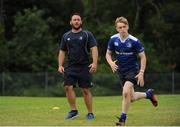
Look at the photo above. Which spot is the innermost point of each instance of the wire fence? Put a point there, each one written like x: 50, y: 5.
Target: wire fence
x: 51, y: 84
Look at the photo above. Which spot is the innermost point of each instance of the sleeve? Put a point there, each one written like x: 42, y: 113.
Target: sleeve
x: 62, y: 44
x: 139, y: 47
x: 91, y: 40
x: 110, y: 45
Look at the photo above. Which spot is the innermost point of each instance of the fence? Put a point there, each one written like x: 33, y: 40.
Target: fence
x: 51, y: 84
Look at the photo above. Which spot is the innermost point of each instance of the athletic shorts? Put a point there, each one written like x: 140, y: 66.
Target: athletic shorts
x: 128, y: 76
x: 78, y: 74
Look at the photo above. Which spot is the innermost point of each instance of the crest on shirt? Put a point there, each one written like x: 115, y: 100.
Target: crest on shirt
x: 80, y: 38
x: 116, y: 43
x: 68, y: 39
x: 129, y: 45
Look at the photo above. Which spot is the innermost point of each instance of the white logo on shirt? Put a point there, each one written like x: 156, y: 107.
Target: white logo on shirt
x: 80, y: 38
x: 129, y: 45
x: 116, y: 43
x: 68, y: 39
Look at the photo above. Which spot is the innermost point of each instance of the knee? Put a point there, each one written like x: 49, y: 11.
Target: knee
x: 126, y: 93
x: 86, y: 92
x: 68, y: 88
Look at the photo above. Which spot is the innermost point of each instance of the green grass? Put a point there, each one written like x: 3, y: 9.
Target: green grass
x: 38, y: 111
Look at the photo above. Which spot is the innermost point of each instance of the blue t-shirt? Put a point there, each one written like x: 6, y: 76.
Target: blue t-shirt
x: 126, y: 52
x: 78, y: 46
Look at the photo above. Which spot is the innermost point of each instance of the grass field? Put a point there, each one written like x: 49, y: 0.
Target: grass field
x: 36, y: 111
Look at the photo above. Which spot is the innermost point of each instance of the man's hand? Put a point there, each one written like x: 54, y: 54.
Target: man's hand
x: 113, y: 65
x: 61, y: 69
x: 140, y: 79
x: 93, y: 68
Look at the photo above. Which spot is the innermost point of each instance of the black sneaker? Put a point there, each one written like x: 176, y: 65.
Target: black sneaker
x: 120, y: 122
x: 72, y: 114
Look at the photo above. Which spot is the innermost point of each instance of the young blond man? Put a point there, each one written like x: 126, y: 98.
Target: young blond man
x: 127, y: 49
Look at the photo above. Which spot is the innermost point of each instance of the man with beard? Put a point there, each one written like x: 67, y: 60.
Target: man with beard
x: 77, y: 43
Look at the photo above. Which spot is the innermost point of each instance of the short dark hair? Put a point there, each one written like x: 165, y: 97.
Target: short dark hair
x: 75, y: 13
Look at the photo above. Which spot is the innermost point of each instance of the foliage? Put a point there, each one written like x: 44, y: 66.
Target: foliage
x: 153, y: 61
x: 4, y: 52
x: 161, y: 30
x: 157, y: 22
x: 33, y: 47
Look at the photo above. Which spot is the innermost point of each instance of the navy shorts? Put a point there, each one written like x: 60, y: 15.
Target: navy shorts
x: 78, y: 74
x: 128, y: 76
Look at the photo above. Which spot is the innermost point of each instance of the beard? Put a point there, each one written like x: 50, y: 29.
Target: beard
x: 75, y: 27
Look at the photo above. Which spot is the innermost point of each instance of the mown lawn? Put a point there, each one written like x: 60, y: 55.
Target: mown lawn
x: 37, y: 111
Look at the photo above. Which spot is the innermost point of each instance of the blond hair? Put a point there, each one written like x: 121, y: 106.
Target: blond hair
x: 121, y: 20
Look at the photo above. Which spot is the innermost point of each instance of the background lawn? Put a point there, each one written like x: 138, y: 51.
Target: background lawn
x: 38, y: 111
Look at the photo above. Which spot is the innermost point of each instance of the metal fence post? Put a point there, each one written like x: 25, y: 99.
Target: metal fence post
x: 3, y: 83
x: 173, y: 82
x: 46, y: 82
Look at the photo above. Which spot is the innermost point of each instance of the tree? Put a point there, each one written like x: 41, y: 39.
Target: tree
x: 4, y: 52
x: 163, y: 33
x: 156, y: 20
x: 33, y: 47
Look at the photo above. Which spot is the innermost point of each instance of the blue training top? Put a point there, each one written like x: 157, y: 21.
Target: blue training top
x: 126, y: 52
x: 78, y: 46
